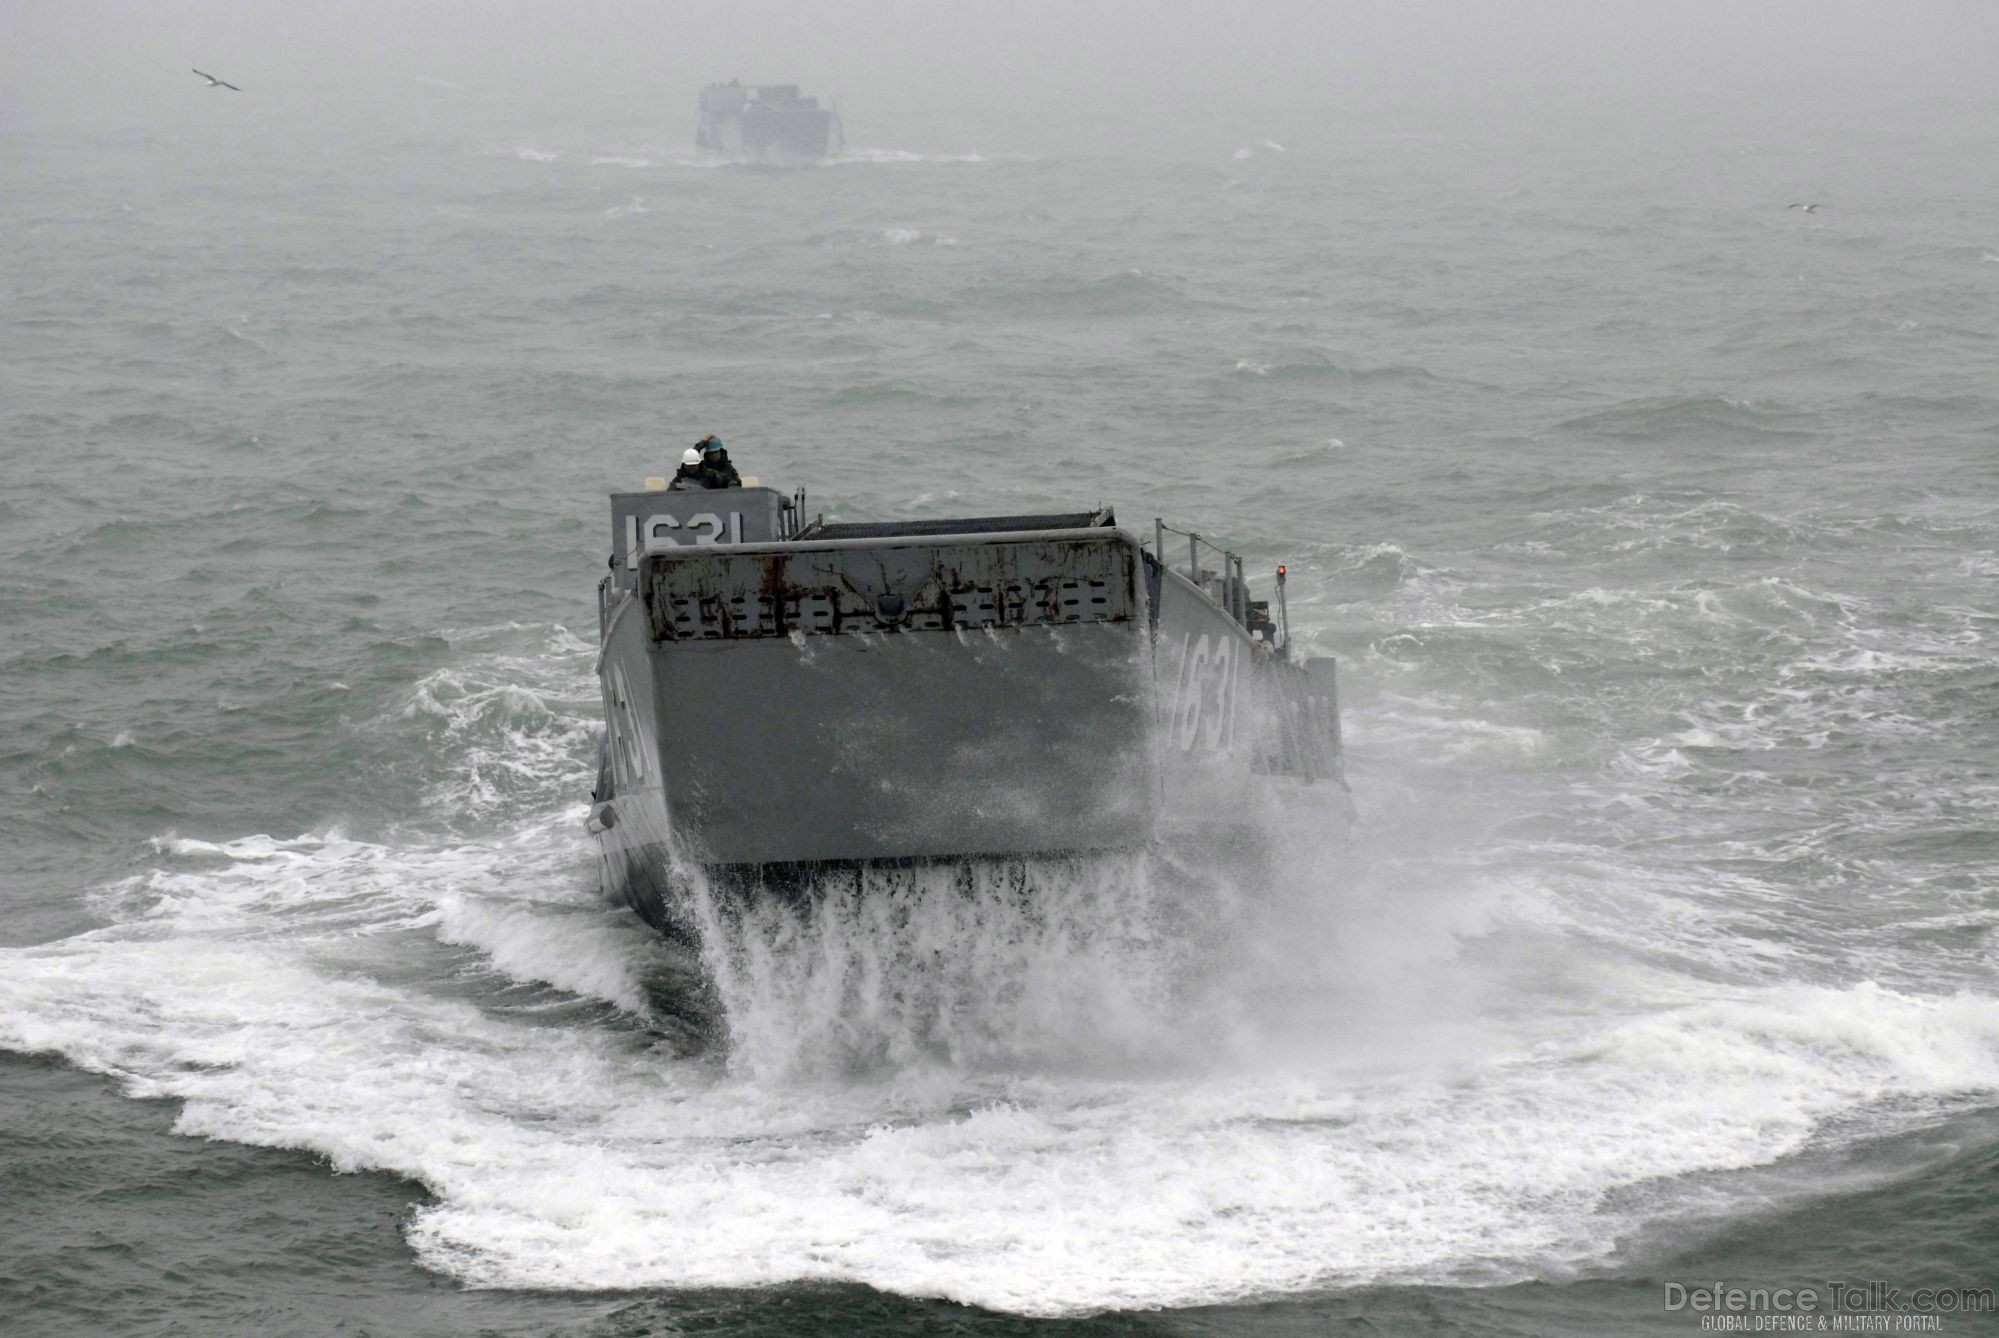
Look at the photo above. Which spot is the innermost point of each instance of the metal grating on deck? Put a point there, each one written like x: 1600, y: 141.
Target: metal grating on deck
x: 714, y: 595
x: 895, y: 529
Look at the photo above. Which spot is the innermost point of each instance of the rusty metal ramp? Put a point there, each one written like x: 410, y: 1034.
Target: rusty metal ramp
x: 907, y: 697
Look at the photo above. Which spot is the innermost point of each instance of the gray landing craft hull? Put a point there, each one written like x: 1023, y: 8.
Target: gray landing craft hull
x: 766, y: 123
x: 786, y: 704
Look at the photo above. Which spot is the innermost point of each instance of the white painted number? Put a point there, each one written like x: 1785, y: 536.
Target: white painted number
x: 704, y: 530
x: 1204, y: 697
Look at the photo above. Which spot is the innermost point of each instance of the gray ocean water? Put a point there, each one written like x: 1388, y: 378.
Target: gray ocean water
x: 1655, y: 525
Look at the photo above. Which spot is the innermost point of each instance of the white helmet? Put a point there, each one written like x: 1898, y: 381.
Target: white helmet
x: 690, y: 456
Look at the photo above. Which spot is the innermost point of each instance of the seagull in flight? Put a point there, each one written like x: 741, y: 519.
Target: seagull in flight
x: 1808, y: 208
x: 213, y: 82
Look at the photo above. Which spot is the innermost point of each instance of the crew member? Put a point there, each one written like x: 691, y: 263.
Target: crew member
x: 716, y: 471
x: 690, y: 477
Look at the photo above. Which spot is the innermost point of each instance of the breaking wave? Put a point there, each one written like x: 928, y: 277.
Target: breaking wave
x: 859, y: 157
x: 971, y: 966
x: 1422, y: 1060
x: 365, y: 1003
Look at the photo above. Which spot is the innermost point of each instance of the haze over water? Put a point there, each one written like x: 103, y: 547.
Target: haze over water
x: 1652, y: 522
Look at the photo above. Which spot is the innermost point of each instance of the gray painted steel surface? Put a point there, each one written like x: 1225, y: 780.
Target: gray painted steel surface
x: 643, y: 522
x: 926, y: 695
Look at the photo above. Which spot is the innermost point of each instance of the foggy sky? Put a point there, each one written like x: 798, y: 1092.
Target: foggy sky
x: 74, y: 60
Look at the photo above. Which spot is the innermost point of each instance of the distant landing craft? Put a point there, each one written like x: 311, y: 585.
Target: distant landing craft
x: 766, y: 123
x: 213, y: 82
x: 1808, y: 208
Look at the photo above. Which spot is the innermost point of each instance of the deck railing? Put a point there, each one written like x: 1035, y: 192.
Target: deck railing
x: 1223, y: 582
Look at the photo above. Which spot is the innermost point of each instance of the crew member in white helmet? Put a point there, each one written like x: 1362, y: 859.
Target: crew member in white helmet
x: 689, y: 477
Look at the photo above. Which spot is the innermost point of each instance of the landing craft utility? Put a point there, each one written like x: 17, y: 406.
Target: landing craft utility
x: 766, y: 123
x: 782, y: 694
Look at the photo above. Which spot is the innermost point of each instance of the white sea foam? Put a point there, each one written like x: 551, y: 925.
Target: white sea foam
x: 527, y: 153
x: 1102, y: 1084
x: 901, y: 236
x: 561, y: 1154
x: 613, y: 160
x: 517, y: 717
x: 1040, y: 962
x: 1440, y: 735
x: 527, y: 902
x: 635, y: 205
x: 892, y: 156
x: 548, y: 933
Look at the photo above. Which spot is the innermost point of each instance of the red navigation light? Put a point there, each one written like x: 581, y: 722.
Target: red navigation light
x: 1280, y: 569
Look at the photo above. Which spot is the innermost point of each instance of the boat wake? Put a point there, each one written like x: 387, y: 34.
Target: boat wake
x: 1049, y: 1089
x: 865, y: 157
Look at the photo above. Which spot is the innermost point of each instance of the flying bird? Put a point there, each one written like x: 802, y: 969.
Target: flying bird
x: 1808, y: 208
x: 213, y: 82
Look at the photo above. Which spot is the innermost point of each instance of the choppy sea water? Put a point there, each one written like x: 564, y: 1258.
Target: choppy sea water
x: 1653, y: 524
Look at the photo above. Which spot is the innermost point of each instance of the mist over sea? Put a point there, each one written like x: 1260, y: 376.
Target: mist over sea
x: 1655, y: 526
